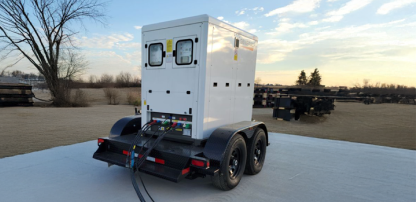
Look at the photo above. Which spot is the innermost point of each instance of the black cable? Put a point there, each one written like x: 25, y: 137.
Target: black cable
x: 131, y: 154
x: 140, y: 177
x: 141, y: 149
x: 136, y: 165
x: 133, y: 165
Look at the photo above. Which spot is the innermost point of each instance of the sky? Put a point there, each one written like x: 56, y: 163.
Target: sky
x: 347, y: 40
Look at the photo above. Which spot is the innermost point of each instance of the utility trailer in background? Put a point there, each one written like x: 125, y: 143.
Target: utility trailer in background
x: 293, y: 101
x: 197, y: 84
x: 15, y: 94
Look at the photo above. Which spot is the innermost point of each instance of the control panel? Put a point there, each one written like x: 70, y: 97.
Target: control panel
x: 183, y: 122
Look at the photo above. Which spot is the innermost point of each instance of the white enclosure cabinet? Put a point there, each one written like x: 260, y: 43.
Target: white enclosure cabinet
x: 201, y: 68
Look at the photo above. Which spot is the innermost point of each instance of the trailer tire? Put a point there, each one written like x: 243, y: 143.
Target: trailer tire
x: 256, y: 152
x: 233, y: 165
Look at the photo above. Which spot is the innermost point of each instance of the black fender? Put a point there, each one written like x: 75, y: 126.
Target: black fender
x: 218, y: 142
x: 126, y: 125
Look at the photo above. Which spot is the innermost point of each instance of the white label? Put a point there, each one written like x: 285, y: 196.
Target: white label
x: 169, y: 58
x: 187, y: 132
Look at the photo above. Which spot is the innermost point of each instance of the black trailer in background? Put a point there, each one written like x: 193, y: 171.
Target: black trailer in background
x: 15, y: 95
x: 290, y: 102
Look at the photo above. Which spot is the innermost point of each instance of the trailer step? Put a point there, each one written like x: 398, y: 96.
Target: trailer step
x: 111, y: 157
x: 168, y: 173
x: 161, y: 171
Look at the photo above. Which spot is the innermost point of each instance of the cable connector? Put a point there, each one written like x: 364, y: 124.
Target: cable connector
x: 174, y: 124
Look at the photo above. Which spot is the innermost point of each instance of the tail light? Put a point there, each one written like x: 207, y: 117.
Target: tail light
x: 99, y: 141
x: 200, y: 163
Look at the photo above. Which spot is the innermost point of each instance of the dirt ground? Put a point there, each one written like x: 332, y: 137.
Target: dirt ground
x: 391, y: 125
x: 28, y: 129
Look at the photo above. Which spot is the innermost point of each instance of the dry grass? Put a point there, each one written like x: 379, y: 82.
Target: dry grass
x: 133, y: 98
x: 96, y: 96
x: 112, y: 96
x: 80, y: 99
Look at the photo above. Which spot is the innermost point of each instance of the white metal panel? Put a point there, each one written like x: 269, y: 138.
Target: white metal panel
x: 245, y: 72
x: 221, y: 74
x: 178, y: 80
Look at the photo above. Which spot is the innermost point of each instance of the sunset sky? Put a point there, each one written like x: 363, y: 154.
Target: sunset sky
x: 347, y: 40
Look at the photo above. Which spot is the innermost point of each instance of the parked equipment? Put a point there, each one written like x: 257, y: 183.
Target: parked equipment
x: 15, y: 95
x: 198, y: 80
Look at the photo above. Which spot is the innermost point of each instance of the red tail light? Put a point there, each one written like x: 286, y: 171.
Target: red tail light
x: 200, y: 163
x: 99, y: 141
x: 186, y: 170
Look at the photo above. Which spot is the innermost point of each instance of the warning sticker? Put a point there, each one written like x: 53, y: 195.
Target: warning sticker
x: 169, y: 45
x: 235, y: 54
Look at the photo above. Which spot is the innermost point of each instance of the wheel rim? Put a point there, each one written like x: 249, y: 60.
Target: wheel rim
x: 234, y: 164
x: 258, y: 152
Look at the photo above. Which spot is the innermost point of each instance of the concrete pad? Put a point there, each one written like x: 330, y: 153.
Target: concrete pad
x: 296, y: 169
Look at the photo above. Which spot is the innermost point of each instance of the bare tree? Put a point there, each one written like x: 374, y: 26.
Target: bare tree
x: 124, y: 79
x: 257, y: 81
x: 40, y: 29
x: 106, y: 79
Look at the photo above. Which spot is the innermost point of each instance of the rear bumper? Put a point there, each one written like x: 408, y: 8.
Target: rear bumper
x: 174, y: 158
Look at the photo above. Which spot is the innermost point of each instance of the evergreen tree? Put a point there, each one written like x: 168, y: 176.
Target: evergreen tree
x: 315, y: 78
x: 302, y: 79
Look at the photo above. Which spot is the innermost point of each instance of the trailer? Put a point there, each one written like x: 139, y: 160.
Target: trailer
x: 15, y: 94
x: 196, y: 116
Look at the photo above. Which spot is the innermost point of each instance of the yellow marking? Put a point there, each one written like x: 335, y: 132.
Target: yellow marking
x: 235, y: 57
x: 169, y: 45
x: 144, y: 102
x: 179, y: 129
x: 134, y: 147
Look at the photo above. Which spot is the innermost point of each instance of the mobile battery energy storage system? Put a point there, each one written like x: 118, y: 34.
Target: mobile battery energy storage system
x: 197, y: 94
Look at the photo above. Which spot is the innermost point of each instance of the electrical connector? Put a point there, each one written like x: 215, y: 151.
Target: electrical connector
x: 187, y: 126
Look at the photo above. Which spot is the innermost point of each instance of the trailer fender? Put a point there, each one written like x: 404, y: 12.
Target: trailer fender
x: 217, y: 143
x: 126, y: 125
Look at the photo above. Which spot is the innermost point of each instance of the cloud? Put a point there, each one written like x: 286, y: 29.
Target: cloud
x: 286, y: 26
x: 220, y: 18
x: 103, y: 42
x: 137, y: 27
x: 313, y: 23
x: 359, y: 37
x: 242, y: 25
x: 412, y: 24
x: 351, y: 6
x: 240, y: 12
x: 254, y: 10
x: 387, y: 7
x: 273, y: 50
x: 298, y: 6
x: 335, y: 18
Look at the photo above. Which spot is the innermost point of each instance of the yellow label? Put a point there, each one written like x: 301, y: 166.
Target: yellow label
x: 144, y: 102
x: 169, y: 45
x: 235, y: 57
x: 179, y: 129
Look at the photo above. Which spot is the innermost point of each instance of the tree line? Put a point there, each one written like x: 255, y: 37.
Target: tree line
x: 313, y: 80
